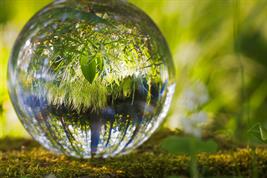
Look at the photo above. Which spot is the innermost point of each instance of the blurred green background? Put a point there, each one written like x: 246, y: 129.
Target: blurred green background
x: 220, y: 52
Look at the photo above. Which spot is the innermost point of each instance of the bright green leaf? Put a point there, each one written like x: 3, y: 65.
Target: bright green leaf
x: 88, y: 67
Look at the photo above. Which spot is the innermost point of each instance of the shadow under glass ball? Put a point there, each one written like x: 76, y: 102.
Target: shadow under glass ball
x: 91, y: 78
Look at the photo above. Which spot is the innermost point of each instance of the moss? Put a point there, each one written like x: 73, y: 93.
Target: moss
x: 25, y: 158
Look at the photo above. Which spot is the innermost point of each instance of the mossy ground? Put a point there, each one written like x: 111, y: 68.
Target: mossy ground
x: 26, y: 159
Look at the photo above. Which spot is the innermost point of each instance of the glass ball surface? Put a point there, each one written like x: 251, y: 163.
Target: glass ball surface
x: 91, y: 77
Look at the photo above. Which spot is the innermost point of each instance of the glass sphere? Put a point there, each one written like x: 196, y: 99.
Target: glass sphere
x: 91, y: 78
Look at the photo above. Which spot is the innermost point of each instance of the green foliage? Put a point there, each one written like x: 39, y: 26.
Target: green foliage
x: 104, y: 57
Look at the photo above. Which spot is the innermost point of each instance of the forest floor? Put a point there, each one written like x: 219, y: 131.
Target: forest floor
x: 27, y: 159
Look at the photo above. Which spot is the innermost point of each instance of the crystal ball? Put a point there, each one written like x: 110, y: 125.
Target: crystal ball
x: 91, y: 78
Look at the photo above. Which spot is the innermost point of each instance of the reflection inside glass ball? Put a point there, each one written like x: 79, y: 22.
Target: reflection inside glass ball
x: 90, y: 78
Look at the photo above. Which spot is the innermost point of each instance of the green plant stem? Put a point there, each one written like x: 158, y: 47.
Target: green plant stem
x: 242, y: 119
x: 193, y: 163
x: 254, y: 163
x: 193, y: 166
